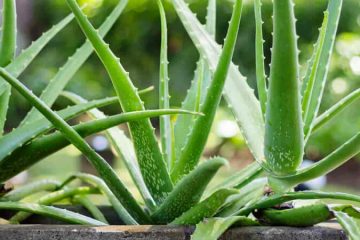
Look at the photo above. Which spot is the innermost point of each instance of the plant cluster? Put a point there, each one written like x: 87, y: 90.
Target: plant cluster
x: 169, y: 176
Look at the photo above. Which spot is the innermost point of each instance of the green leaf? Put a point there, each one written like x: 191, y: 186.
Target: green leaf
x: 116, y: 204
x: 21, y: 62
x: 29, y: 154
x: 51, y: 198
x: 151, y: 162
x: 337, y: 158
x: 198, y: 90
x: 320, y: 68
x: 84, y: 201
x: 4, y: 105
x: 304, y: 216
x: 206, y: 208
x: 238, y: 94
x: 213, y: 228
x: 8, y: 34
x: 350, y: 223
x: 240, y: 178
x: 23, y: 134
x: 195, y: 143
x: 248, y: 194
x: 166, y: 135
x: 122, y: 147
x: 284, y: 136
x: 335, y: 110
x: 280, y: 198
x: 188, y: 191
x: 56, y: 213
x: 73, y: 64
x: 102, y: 167
x: 30, y: 189
x: 260, y: 65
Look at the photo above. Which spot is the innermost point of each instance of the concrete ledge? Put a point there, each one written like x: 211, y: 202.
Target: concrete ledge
x: 329, y: 231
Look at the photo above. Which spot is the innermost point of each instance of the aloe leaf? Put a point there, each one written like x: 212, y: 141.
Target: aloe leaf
x: 206, y: 208
x: 240, y: 178
x: 102, y: 167
x: 197, y: 139
x: 4, y: 105
x: 91, y: 207
x: 335, y: 110
x: 23, y: 134
x: 123, y: 148
x: 21, y: 62
x: 73, y: 64
x: 260, y: 65
x: 7, y: 53
x: 350, y: 223
x: 56, y: 213
x: 312, y: 69
x: 8, y: 34
x: 213, y: 228
x: 247, y: 195
x: 29, y: 154
x: 304, y: 216
x: 151, y: 162
x: 238, y: 94
x: 53, y: 197
x: 280, y: 198
x: 164, y: 99
x: 30, y: 189
x: 198, y: 90
x: 99, y: 183
x: 321, y: 67
x: 188, y: 191
x: 337, y: 158
x: 284, y: 133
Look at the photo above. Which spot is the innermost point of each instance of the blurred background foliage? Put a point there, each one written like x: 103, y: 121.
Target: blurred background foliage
x: 135, y: 38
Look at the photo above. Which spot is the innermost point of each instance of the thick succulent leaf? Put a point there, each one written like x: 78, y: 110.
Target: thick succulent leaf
x: 206, y: 208
x: 349, y: 218
x: 277, y: 199
x: 4, y: 105
x: 213, y: 228
x: 7, y: 53
x: 198, y: 90
x: 30, y: 189
x: 166, y: 130
x: 21, y: 62
x: 304, y: 216
x: 240, y: 178
x: 284, y: 136
x: 100, y: 164
x: 8, y: 33
x: 116, y: 204
x: 18, y: 137
x: 334, y: 160
x: 56, y: 213
x: 195, y: 143
x: 335, y: 110
x: 87, y: 203
x: 151, y: 162
x: 52, y: 198
x: 188, y: 191
x: 260, y: 65
x: 73, y: 64
x: 248, y: 194
x: 321, y: 67
x: 123, y: 148
x: 29, y: 154
x: 238, y: 94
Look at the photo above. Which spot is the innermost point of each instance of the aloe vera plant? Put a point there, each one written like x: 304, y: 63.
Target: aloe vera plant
x: 172, y: 182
